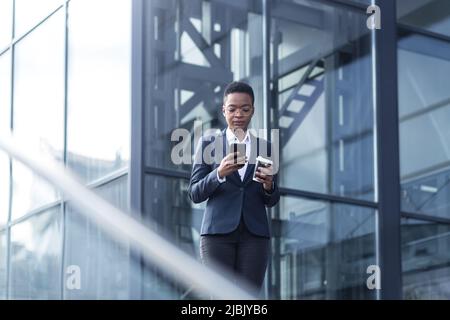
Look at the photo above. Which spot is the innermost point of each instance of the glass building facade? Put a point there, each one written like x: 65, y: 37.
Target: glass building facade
x: 363, y: 138
x: 65, y: 91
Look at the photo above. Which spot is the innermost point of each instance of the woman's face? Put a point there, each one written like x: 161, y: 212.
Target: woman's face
x: 238, y: 110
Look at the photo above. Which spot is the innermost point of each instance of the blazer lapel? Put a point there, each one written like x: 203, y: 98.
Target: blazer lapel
x: 252, y: 161
x: 235, y: 175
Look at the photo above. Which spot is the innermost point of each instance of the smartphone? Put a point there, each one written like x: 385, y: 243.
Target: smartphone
x: 261, y: 162
x: 240, y: 148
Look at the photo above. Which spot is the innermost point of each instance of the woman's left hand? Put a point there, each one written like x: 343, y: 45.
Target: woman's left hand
x: 265, y: 176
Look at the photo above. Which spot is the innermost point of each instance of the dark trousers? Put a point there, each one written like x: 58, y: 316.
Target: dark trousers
x: 241, y: 252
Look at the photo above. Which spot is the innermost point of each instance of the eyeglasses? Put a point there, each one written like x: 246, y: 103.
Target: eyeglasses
x: 246, y: 110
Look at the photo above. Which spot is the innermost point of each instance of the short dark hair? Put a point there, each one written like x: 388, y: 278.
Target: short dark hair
x: 237, y: 86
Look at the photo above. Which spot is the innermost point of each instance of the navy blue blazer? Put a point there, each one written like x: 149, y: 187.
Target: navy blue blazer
x: 228, y: 200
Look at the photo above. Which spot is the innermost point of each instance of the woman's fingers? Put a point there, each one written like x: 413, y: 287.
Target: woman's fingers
x: 261, y: 176
x: 266, y: 171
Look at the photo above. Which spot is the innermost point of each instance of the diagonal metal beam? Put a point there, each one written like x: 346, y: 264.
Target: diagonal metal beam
x: 301, y: 116
x: 200, y: 94
x: 201, y: 44
x: 207, y: 74
x: 299, y: 85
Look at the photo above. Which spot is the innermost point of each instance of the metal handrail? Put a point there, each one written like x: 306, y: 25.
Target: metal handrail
x: 124, y: 228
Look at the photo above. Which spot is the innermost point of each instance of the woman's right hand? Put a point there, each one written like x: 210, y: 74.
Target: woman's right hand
x: 231, y: 163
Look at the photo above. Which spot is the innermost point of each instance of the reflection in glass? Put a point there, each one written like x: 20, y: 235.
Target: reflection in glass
x: 30, y: 192
x: 323, y: 104
x: 189, y: 66
x: 30, y: 12
x: 5, y: 91
x: 38, y: 108
x: 110, y: 269
x: 319, y: 250
x: 6, y: 14
x: 3, y: 263
x: 104, y: 263
x: 4, y: 188
x: 424, y: 112
x: 36, y: 245
x: 432, y: 15
x: 425, y: 260
x: 167, y: 203
x: 98, y: 87
x: 322, y: 250
x: 5, y: 119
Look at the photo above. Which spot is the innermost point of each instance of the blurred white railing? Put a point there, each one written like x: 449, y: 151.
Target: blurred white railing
x: 121, y: 227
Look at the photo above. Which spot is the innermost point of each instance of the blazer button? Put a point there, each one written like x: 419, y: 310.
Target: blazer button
x: 242, y: 189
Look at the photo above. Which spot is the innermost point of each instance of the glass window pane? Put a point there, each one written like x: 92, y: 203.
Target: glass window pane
x: 424, y: 107
x: 432, y: 15
x: 3, y: 262
x: 322, y: 250
x: 36, y: 249
x: 425, y: 260
x: 104, y: 263
x: 5, y: 124
x: 38, y: 108
x: 4, y: 188
x: 30, y: 12
x: 5, y: 92
x: 319, y: 250
x: 6, y: 14
x: 324, y: 106
x: 30, y: 192
x: 109, y: 269
x: 167, y: 203
x: 99, y: 87
x: 184, y: 85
